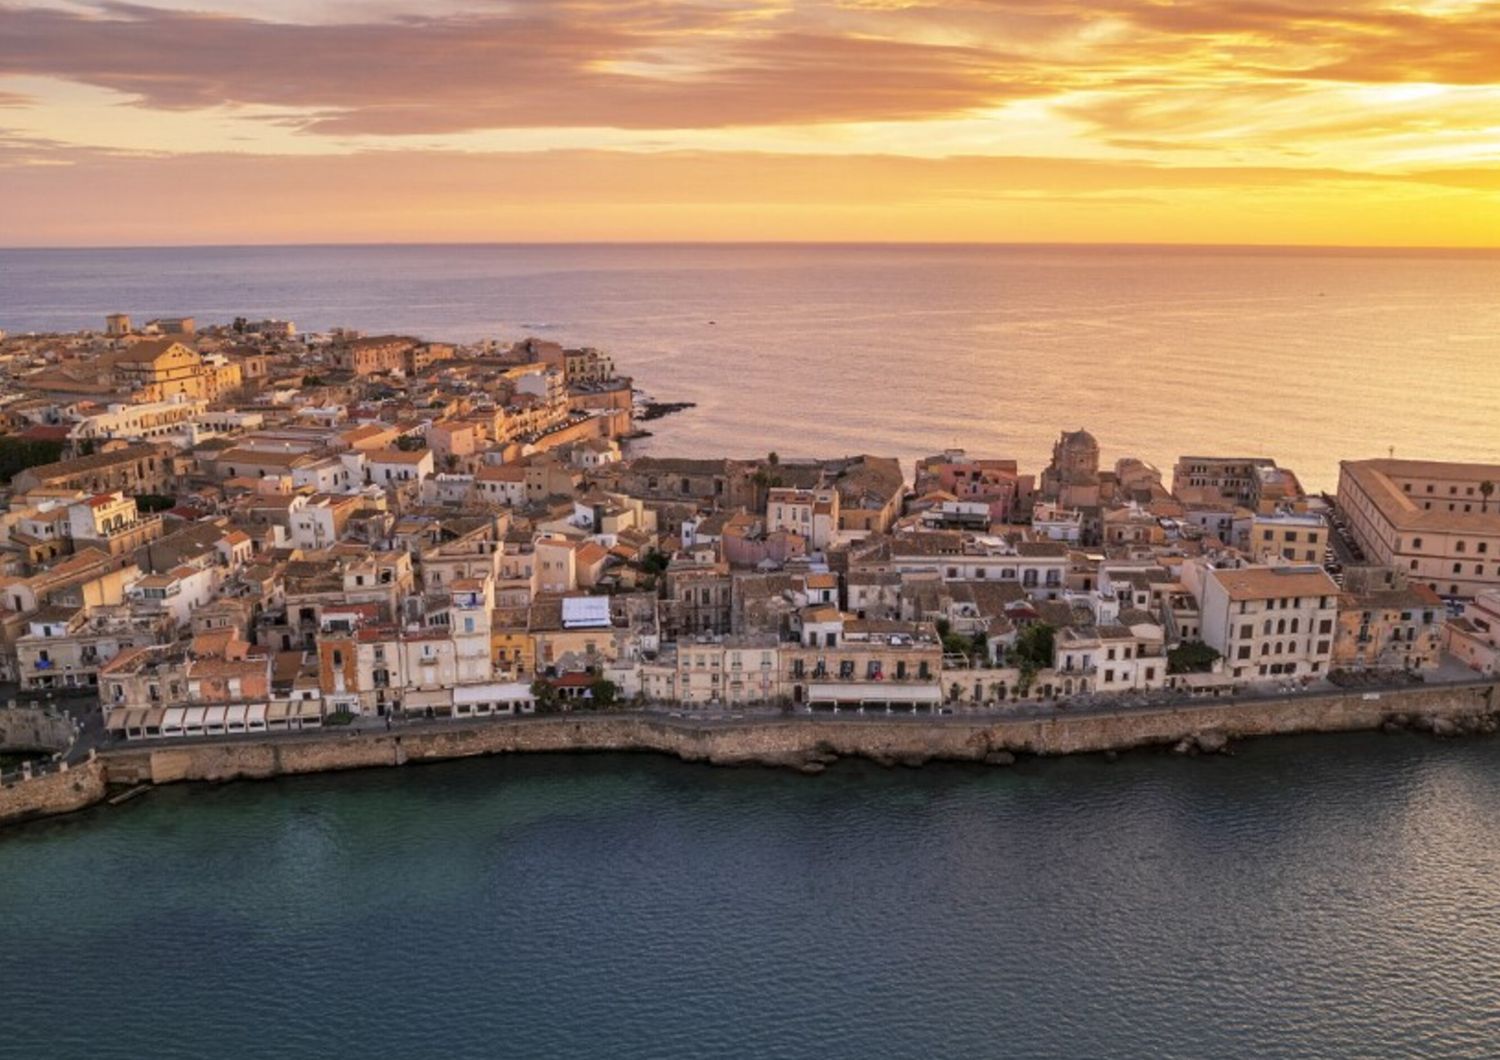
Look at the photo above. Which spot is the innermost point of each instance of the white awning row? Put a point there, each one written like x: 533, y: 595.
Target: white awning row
x: 874, y: 692
x: 136, y: 723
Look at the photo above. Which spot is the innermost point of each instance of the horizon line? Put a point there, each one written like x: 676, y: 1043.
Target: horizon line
x: 902, y: 243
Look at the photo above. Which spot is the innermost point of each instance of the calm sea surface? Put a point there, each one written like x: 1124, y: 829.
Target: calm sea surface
x: 1305, y: 356
x: 1313, y: 897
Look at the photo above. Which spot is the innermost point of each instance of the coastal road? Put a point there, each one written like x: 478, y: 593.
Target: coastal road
x: 710, y: 720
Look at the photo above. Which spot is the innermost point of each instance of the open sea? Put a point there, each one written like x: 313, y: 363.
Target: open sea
x: 1311, y: 897
x: 1306, y: 356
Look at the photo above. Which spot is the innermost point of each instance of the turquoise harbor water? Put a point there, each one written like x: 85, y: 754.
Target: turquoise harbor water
x: 1313, y: 897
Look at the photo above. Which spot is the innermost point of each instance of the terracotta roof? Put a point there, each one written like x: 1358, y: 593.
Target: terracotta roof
x: 1261, y: 583
x: 397, y: 456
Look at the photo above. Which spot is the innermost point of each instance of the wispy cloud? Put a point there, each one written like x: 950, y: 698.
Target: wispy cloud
x: 920, y: 110
x: 634, y: 65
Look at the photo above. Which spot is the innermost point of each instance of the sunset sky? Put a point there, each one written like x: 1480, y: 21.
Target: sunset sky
x: 1344, y: 122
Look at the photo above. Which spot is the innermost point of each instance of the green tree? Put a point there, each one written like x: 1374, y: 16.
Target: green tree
x: 604, y: 692
x: 957, y: 644
x: 154, y: 502
x: 545, y: 695
x: 17, y: 454
x: 1191, y: 657
x: 1034, y: 646
x: 1486, y: 488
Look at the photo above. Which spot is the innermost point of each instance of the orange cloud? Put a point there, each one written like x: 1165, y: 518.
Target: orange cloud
x: 639, y: 66
x: 1329, y: 121
x: 593, y: 195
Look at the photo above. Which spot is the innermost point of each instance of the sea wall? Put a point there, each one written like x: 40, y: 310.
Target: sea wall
x: 797, y: 741
x: 53, y: 793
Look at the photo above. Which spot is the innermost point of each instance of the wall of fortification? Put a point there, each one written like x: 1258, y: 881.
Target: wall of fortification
x: 789, y: 741
x: 53, y: 793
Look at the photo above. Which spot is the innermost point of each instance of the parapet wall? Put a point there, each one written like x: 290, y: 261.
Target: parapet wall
x: 790, y: 741
x: 53, y: 793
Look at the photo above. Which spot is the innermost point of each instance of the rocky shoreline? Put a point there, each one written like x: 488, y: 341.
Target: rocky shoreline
x: 655, y: 410
x: 805, y: 744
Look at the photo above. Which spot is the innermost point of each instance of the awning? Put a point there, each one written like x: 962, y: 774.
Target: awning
x: 135, y: 719
x: 235, y: 714
x: 432, y: 697
x: 307, y: 708
x: 194, y: 719
x: 493, y: 692
x: 215, y: 716
x: 874, y: 692
x: 154, y: 718
x: 277, y: 711
x: 115, y: 722
x: 173, y: 718
x: 255, y: 714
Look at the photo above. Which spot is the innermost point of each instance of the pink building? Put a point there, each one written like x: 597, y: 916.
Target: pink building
x: 996, y: 482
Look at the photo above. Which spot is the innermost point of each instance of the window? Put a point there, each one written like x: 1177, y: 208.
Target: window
x: 1416, y: 542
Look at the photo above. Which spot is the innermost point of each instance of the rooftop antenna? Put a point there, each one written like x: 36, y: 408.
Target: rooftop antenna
x: 1391, y: 449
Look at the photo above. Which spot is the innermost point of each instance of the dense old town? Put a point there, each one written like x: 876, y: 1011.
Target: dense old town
x: 239, y: 528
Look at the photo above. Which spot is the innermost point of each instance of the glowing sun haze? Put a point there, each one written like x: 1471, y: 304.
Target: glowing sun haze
x: 1198, y: 121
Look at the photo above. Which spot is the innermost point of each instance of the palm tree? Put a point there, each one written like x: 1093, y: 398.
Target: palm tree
x: 1485, y: 489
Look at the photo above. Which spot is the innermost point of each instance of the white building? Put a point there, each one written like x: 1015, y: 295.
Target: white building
x: 1270, y: 623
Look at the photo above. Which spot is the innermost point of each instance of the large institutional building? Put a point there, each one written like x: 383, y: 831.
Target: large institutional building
x: 1438, y: 522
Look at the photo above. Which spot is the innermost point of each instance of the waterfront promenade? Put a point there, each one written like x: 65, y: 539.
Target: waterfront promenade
x: 804, y: 740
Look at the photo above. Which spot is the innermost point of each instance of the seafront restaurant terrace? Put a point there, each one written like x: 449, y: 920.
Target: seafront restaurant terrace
x: 229, y: 719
